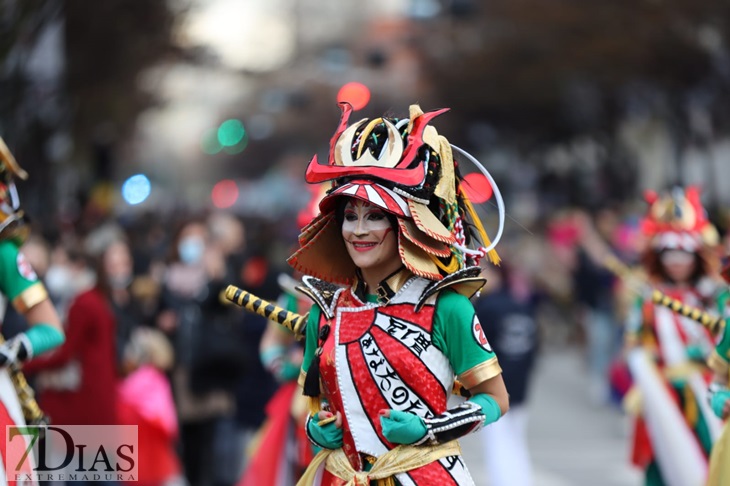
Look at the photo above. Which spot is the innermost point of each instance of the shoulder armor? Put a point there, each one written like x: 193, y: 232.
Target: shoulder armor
x: 467, y: 281
x: 322, y: 293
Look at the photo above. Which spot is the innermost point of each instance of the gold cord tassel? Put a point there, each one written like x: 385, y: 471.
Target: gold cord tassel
x: 315, y: 405
x: 491, y: 254
x: 451, y: 267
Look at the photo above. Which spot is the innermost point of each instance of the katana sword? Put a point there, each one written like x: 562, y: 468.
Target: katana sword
x: 714, y: 324
x: 294, y: 322
x: 26, y: 396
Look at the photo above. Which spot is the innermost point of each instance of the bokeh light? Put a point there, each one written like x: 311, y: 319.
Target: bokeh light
x: 239, y: 147
x: 136, y: 189
x: 231, y: 132
x: 209, y: 143
x: 357, y: 94
x: 224, y: 194
x: 477, y: 187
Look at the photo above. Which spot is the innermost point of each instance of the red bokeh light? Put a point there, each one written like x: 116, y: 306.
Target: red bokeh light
x: 224, y: 194
x: 477, y: 187
x: 357, y: 94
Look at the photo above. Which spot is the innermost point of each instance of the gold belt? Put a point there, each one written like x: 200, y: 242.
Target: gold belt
x: 401, y: 459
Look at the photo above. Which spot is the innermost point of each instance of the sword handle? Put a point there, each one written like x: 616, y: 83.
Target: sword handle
x: 26, y: 396
x: 296, y: 323
x: 713, y: 323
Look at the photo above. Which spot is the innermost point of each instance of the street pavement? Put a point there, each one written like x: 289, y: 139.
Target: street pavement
x: 572, y: 441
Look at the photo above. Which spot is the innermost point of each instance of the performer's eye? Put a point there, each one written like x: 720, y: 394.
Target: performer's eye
x: 376, y: 216
x: 350, y: 216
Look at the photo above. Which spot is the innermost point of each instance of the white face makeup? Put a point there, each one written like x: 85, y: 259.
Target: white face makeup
x: 679, y: 265
x: 370, y: 239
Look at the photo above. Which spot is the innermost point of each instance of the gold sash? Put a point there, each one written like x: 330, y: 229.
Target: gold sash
x: 719, y: 473
x: 401, y: 459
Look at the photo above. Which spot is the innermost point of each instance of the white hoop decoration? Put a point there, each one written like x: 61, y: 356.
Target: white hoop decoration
x: 495, y: 189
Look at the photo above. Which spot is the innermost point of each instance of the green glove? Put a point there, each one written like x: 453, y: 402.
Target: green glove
x: 403, y: 427
x: 327, y: 436
x: 718, y: 401
x: 490, y: 407
x: 288, y: 372
x: 275, y: 360
x: 44, y: 337
x: 696, y: 353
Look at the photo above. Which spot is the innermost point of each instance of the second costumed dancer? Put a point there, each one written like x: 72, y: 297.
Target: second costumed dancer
x: 675, y: 427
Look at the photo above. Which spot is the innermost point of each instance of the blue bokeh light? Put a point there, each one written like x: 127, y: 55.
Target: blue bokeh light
x: 136, y: 189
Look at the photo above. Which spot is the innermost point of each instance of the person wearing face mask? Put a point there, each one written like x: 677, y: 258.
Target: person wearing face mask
x: 77, y: 383
x: 674, y: 427
x: 383, y: 350
x: 207, y: 362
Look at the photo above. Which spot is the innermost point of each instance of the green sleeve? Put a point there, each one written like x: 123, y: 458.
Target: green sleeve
x: 722, y: 303
x: 723, y: 344
x: 719, y: 360
x: 634, y: 323
x: 310, y: 342
x: 459, y: 335
x: 16, y: 274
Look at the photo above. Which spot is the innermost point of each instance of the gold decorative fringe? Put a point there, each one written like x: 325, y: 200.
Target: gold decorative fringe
x: 414, y: 111
x: 719, y: 471
x: 446, y: 187
x: 633, y: 402
x: 452, y: 266
x: 691, y: 412
x: 366, y: 133
x: 315, y: 405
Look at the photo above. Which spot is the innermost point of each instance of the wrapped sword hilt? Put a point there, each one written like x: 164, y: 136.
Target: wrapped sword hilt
x: 294, y: 322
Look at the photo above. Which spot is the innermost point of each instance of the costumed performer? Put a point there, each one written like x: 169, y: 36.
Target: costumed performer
x: 382, y: 353
x: 674, y: 428
x: 20, y: 285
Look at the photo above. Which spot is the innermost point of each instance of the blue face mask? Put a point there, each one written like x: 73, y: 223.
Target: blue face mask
x: 191, y: 250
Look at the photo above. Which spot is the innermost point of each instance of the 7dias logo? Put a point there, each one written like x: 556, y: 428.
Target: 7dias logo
x: 71, y: 453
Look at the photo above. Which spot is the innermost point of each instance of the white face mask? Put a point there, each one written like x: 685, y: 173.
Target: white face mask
x: 369, y: 238
x: 191, y: 249
x: 58, y: 280
x: 119, y: 281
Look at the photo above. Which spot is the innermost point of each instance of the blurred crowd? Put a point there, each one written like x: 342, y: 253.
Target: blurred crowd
x: 151, y: 341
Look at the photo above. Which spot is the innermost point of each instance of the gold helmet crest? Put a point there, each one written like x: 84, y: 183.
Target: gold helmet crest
x: 12, y: 218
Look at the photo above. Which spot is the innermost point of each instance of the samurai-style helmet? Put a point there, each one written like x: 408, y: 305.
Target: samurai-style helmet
x: 678, y: 221
x: 12, y: 222
x: 406, y: 168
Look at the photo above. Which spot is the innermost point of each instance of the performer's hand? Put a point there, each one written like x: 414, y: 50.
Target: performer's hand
x: 288, y: 371
x: 14, y: 350
x: 696, y: 353
x: 720, y: 403
x: 328, y: 436
x: 402, y: 427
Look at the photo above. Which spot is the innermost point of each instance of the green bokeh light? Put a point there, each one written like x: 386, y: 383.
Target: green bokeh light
x: 209, y: 143
x: 239, y: 147
x: 231, y: 133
